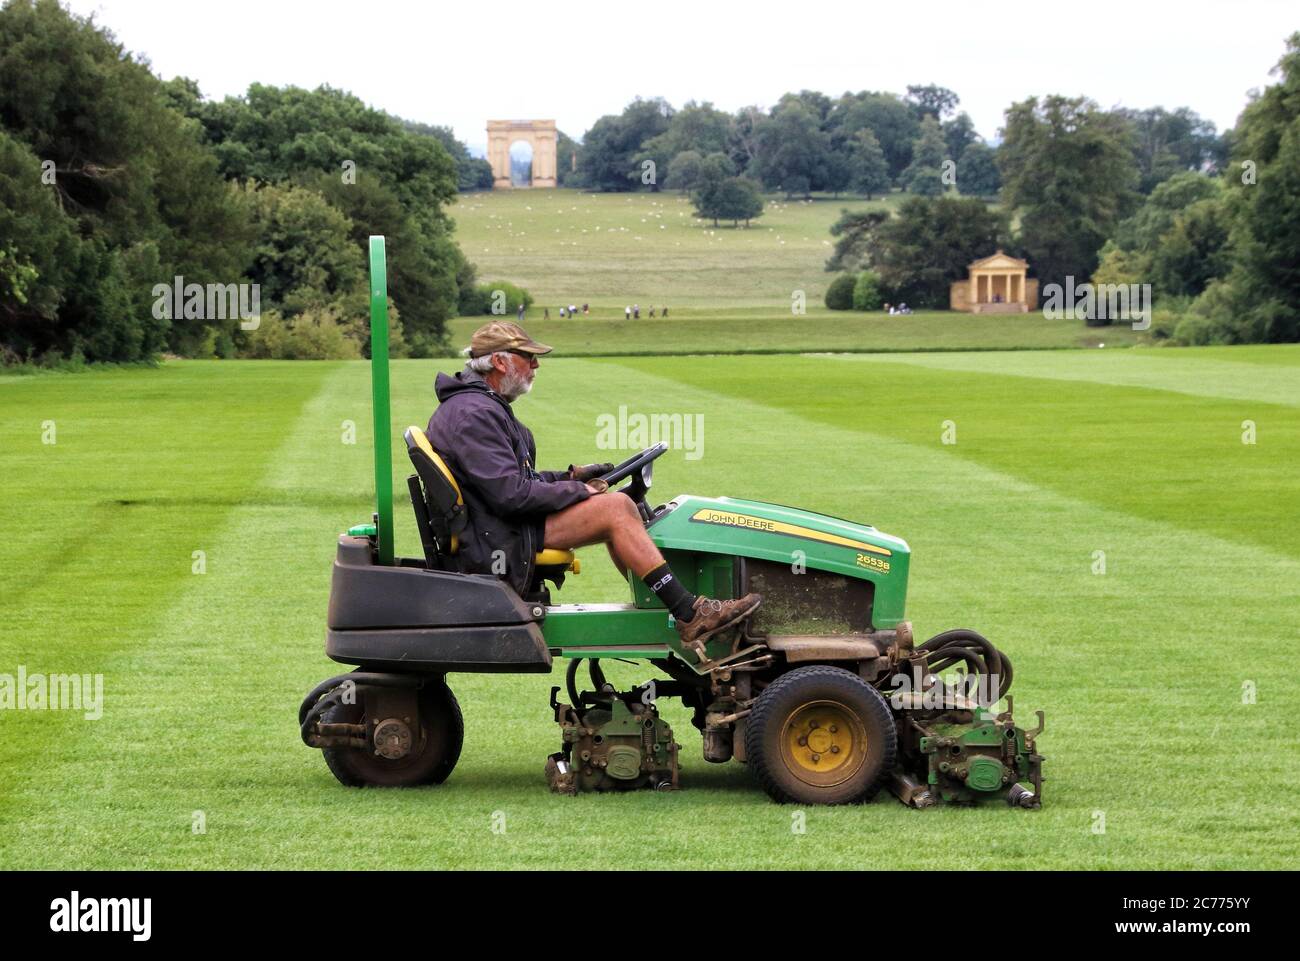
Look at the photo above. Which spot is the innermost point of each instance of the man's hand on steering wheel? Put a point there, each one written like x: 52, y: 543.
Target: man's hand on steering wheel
x: 639, y: 468
x: 588, y: 471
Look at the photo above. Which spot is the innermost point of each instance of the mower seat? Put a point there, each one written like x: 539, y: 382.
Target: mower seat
x: 440, y: 509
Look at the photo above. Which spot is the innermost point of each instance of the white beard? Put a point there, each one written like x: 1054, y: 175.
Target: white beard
x: 513, y: 387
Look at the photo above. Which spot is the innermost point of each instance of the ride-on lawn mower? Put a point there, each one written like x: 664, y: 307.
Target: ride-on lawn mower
x: 822, y: 691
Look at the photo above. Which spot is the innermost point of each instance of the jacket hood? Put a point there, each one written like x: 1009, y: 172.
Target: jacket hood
x: 447, y: 385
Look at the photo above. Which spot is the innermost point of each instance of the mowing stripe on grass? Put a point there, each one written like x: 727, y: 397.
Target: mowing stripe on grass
x: 1150, y: 370
x: 1170, y: 457
x: 147, y: 467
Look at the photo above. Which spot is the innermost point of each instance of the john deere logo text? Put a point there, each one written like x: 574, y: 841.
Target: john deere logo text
x: 735, y: 520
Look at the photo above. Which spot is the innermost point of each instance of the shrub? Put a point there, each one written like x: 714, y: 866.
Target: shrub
x: 312, y: 335
x: 839, y: 295
x: 866, y: 291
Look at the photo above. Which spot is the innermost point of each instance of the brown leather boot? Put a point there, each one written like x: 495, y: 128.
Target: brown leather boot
x: 712, y: 616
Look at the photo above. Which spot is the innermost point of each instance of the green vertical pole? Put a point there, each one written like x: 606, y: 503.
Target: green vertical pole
x: 379, y: 395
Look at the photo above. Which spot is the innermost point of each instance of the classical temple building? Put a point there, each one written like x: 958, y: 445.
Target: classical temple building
x: 996, y: 285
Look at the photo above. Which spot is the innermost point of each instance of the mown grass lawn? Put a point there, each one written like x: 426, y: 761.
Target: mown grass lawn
x: 1144, y: 671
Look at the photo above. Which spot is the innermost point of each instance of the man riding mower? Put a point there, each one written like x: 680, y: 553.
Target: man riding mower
x: 515, y: 510
x: 782, y: 630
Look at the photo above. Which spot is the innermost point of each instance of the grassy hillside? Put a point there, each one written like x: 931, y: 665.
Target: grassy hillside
x: 616, y: 249
x: 728, y: 290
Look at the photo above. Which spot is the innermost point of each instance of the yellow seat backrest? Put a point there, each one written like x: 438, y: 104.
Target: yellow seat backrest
x: 422, y: 442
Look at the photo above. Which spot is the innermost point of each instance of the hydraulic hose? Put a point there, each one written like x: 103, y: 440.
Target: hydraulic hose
x: 963, y: 644
x: 571, y: 682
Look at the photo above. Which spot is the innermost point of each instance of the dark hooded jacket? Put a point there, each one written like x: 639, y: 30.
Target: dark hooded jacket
x: 492, y: 456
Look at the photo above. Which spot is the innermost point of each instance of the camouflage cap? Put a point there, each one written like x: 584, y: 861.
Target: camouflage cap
x: 503, y: 335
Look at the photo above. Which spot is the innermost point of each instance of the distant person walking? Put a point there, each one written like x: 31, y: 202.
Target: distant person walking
x: 627, y: 313
x: 652, y: 310
x: 636, y: 311
x: 521, y: 313
x: 665, y: 314
x: 546, y: 313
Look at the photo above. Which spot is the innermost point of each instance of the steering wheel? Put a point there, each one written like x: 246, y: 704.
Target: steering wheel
x: 639, y: 467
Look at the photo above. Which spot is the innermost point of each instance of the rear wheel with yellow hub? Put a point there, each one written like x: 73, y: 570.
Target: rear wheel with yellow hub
x: 820, y: 735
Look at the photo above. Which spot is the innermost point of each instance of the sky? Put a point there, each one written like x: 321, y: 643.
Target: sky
x: 574, y: 61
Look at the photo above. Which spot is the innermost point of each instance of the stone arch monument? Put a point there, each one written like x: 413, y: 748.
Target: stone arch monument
x: 539, y: 134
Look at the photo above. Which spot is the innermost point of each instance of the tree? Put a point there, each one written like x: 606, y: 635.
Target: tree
x: 919, y: 253
x: 1123, y: 267
x: 566, y: 152
x: 1259, y: 298
x: 305, y: 257
x: 738, y: 199
x: 855, y: 231
x: 684, y: 171
x: 290, y: 135
x: 893, y: 122
x: 958, y: 134
x: 613, y: 151
x: 924, y: 176
x: 837, y: 172
x: 427, y: 276
x: 472, y: 173
x: 1165, y: 143
x: 791, y: 149
x: 1155, y: 217
x: 1068, y: 172
x: 742, y: 144
x: 728, y: 198
x: 977, y: 171
x: 870, y: 171
x: 1176, y: 240
x: 713, y: 171
x: 130, y: 175
x: 701, y: 128
x: 932, y: 101
x: 1195, y: 250
x: 39, y: 254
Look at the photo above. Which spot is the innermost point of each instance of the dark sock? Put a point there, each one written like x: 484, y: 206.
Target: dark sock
x: 668, y: 589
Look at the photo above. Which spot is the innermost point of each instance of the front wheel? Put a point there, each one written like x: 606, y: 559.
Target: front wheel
x: 434, y: 745
x: 820, y: 735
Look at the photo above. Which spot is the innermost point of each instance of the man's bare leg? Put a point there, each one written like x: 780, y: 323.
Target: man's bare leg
x: 617, y: 561
x: 609, y: 518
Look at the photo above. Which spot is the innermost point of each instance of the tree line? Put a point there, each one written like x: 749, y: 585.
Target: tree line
x: 1107, y: 197
x: 113, y: 183
x: 866, y: 142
